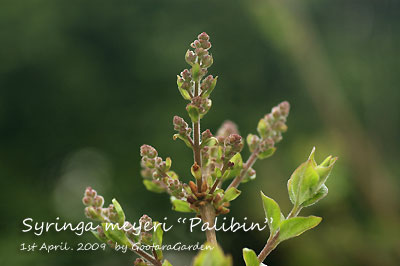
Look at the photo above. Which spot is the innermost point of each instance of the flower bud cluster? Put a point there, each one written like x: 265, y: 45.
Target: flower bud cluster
x: 220, y: 206
x: 94, y: 204
x: 146, y: 229
x: 198, y: 107
x: 200, y: 54
x: 232, y: 145
x: 271, y: 128
x: 157, y: 170
x: 227, y: 128
x: 181, y: 126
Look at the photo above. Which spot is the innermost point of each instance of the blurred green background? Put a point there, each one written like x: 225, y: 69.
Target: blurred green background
x: 84, y: 83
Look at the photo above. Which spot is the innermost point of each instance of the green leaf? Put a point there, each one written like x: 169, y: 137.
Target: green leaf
x: 193, y: 112
x: 212, y: 257
x: 265, y: 154
x: 208, y: 92
x: 180, y: 205
x: 262, y: 128
x: 166, y: 263
x: 196, y: 72
x: 120, y: 212
x: 321, y: 193
x: 185, y: 94
x: 272, y: 213
x: 115, y: 235
x: 96, y: 234
x: 237, y: 167
x: 157, y: 239
x: 231, y: 194
x: 153, y: 187
x: 183, y: 138
x: 250, y: 257
x: 296, y: 226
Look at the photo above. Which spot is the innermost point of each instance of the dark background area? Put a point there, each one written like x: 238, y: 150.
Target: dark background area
x: 84, y: 83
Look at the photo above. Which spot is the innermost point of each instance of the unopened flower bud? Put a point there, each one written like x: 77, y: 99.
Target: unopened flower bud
x: 227, y: 128
x: 203, y: 36
x: 87, y: 201
x: 186, y: 75
x: 205, y: 44
x: 148, y: 151
x: 146, y: 223
x: 195, y: 44
x: 206, y: 61
x: 98, y: 201
x: 196, y: 171
x: 284, y: 107
x: 190, y: 57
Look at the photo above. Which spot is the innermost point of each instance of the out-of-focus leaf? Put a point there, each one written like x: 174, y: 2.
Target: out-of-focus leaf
x: 250, y: 257
x: 153, y: 187
x: 120, y: 212
x: 212, y: 257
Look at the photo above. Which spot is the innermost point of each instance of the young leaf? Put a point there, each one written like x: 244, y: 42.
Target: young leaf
x: 180, y: 205
x: 166, y: 263
x: 112, y: 233
x: 157, y: 239
x: 250, y: 257
x: 231, y: 194
x: 272, y: 213
x: 153, y: 187
x: 266, y: 154
x: 183, y: 138
x: 321, y: 193
x: 295, y: 226
x: 212, y: 257
x: 193, y: 112
x: 185, y: 94
x: 120, y: 212
x: 237, y: 166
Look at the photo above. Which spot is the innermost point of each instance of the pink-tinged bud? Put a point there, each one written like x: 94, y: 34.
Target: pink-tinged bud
x: 206, y: 61
x: 203, y: 36
x: 146, y: 223
x: 195, y: 44
x: 190, y: 57
x: 205, y: 44
x: 206, y: 135
x: 98, y: 201
x: 200, y: 51
x: 186, y: 75
x: 276, y: 112
x: 148, y: 151
x: 87, y: 201
x: 227, y: 128
x: 181, y: 126
x: 89, y: 192
x: 285, y: 108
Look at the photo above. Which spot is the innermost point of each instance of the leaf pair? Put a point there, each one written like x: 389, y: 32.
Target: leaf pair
x: 286, y: 228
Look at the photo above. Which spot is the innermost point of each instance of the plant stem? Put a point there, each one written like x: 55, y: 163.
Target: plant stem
x: 207, y: 213
x: 196, y: 140
x: 273, y: 240
x: 249, y: 163
x: 218, y: 180
x: 271, y: 245
x: 148, y: 257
